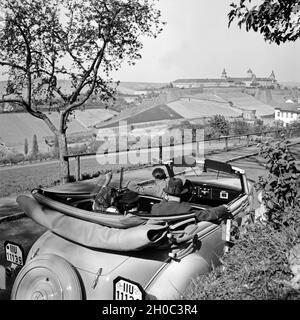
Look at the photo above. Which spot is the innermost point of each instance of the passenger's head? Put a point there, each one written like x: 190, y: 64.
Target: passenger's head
x: 159, y: 174
x: 174, y: 189
x: 129, y: 201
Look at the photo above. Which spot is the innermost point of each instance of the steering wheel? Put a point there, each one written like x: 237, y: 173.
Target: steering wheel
x: 191, y: 191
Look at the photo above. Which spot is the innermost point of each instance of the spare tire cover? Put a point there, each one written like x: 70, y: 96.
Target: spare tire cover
x: 47, y: 277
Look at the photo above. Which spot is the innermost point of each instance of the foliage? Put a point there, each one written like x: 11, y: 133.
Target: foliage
x: 12, y: 158
x: 256, y: 267
x: 81, y: 41
x: 295, y: 125
x: 277, y: 21
x: 218, y: 126
x: 26, y: 147
x: 240, y: 127
x: 280, y: 184
x: 35, y: 147
x: 259, y: 126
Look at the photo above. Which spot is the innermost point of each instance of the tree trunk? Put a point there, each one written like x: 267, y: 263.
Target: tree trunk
x: 64, y: 162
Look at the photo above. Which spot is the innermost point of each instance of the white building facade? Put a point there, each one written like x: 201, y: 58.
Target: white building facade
x: 287, y: 113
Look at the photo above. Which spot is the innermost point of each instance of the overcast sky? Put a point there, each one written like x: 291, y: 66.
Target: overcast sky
x: 196, y: 43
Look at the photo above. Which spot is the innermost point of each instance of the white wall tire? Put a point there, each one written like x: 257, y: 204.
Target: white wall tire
x: 47, y: 277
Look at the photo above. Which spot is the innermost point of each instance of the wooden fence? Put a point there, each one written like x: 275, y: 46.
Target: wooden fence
x: 249, y: 139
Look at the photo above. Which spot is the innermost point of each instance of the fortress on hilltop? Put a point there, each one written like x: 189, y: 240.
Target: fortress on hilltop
x: 250, y: 80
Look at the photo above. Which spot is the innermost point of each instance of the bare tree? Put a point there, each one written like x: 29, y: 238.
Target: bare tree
x: 43, y: 41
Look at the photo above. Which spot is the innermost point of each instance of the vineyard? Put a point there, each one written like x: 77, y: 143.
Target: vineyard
x: 15, y: 127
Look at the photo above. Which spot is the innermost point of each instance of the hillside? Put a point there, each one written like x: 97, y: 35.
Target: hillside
x: 15, y: 127
x: 124, y: 87
x: 244, y: 101
x: 201, y: 106
x: 185, y: 104
x: 133, y: 87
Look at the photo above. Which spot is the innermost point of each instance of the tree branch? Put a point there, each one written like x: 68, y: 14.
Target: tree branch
x: 94, y: 67
x: 12, y: 65
x: 36, y: 114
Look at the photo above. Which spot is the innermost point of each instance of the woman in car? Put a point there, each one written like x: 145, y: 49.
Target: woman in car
x: 156, y: 189
x: 104, y: 199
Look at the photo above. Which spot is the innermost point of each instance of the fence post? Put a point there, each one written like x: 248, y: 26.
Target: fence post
x: 182, y: 144
x: 248, y: 140
x: 77, y: 166
x: 160, y: 148
x: 149, y: 149
x: 195, y: 146
x: 226, y: 144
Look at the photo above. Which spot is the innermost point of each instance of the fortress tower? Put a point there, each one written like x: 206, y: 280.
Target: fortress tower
x: 224, y: 74
x: 272, y: 76
x: 249, y: 74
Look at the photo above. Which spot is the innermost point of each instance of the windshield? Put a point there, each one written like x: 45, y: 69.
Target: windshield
x: 210, y: 175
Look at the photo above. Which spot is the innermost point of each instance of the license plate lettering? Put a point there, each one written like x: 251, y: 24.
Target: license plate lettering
x: 127, y: 290
x: 14, y: 253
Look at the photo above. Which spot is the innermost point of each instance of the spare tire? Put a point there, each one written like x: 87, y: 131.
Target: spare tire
x: 47, y: 277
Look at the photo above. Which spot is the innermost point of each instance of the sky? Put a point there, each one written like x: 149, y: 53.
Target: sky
x: 197, y: 43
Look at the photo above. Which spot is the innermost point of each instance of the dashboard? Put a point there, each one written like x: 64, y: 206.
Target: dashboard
x: 209, y: 193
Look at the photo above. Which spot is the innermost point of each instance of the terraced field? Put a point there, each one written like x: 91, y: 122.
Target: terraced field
x: 15, y: 127
x: 247, y: 102
x: 190, y: 108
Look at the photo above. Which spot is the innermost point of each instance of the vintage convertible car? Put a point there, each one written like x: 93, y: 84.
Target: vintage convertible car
x: 89, y: 255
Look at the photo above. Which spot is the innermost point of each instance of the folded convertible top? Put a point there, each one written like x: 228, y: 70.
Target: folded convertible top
x: 94, y: 235
x: 105, y: 219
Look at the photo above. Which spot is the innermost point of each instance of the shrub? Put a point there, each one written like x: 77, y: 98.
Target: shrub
x: 26, y: 147
x: 219, y: 126
x: 35, y: 147
x: 239, y: 127
x: 280, y: 184
x: 256, y: 268
x: 19, y: 157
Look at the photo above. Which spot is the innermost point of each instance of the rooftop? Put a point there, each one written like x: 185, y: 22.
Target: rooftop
x: 228, y: 79
x: 290, y: 107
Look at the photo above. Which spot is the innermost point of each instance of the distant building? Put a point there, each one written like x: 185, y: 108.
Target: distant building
x: 249, y: 81
x: 287, y: 113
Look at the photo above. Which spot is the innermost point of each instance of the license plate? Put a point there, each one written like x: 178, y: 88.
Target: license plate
x: 125, y: 289
x: 14, y: 253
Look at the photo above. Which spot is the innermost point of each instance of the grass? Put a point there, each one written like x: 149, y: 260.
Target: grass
x: 256, y: 268
x: 16, y: 180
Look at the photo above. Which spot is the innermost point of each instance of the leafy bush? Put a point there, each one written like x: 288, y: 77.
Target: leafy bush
x: 239, y: 127
x: 218, y: 126
x: 19, y: 157
x: 280, y: 184
x: 256, y: 268
x: 35, y: 147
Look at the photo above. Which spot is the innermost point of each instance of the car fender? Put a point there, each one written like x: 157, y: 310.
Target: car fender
x: 172, y: 280
x: 98, y: 268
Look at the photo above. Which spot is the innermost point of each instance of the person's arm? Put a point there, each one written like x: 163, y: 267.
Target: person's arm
x: 217, y: 213
x: 99, y: 185
x: 150, y: 189
x: 133, y: 186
